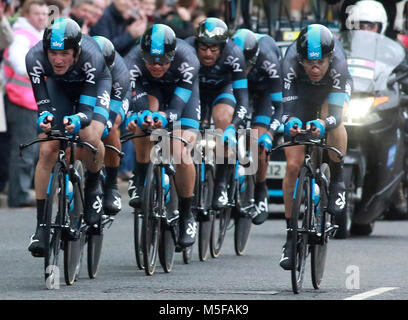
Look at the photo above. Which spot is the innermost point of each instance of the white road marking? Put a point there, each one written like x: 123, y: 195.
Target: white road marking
x: 371, y: 293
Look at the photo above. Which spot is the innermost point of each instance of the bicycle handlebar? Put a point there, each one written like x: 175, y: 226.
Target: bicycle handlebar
x: 120, y: 153
x: 57, y: 135
x: 148, y: 132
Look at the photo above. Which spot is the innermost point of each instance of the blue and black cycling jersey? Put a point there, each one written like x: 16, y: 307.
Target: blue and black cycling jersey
x: 176, y: 90
x: 302, y: 97
x: 228, y: 70
x: 87, y: 83
x: 265, y: 85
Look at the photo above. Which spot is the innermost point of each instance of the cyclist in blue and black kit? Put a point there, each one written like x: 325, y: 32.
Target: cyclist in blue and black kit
x: 164, y: 85
x: 265, y: 90
x: 67, y: 69
x: 119, y: 105
x: 223, y: 90
x: 315, y: 78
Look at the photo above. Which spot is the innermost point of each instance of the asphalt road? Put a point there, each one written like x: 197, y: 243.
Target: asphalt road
x: 373, y: 267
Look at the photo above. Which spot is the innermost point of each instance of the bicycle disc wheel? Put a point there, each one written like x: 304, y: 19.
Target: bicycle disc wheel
x: 243, y: 222
x: 300, y: 221
x: 152, y: 211
x: 54, y: 212
x: 72, y: 248
x: 319, y: 251
x: 95, y: 241
x: 204, y: 220
x: 137, y: 235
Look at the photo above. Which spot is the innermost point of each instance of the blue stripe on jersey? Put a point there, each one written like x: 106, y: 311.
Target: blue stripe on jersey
x: 115, y: 105
x: 263, y: 119
x: 88, y: 100
x: 157, y: 45
x: 240, y: 84
x: 276, y: 97
x: 190, y: 123
x: 183, y: 94
x: 58, y: 34
x: 210, y: 24
x: 338, y: 98
x: 102, y: 111
x: 226, y: 96
x: 240, y: 37
x: 314, y: 48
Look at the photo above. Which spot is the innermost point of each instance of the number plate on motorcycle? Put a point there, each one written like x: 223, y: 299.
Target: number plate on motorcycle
x: 276, y: 170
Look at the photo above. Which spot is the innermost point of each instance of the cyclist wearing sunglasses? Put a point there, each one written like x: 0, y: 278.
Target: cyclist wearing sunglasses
x: 265, y: 91
x: 223, y: 90
x: 164, y: 85
x: 315, y: 78
x: 67, y: 69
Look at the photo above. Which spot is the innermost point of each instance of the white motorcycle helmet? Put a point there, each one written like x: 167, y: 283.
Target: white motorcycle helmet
x: 367, y: 11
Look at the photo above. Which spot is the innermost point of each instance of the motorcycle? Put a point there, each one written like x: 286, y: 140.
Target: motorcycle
x: 375, y: 121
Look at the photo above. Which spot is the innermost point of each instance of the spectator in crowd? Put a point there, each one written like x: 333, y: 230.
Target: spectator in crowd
x: 99, y: 7
x: 163, y: 8
x: 81, y: 13
x: 20, y: 103
x: 149, y: 7
x: 180, y: 18
x: 67, y: 7
x: 121, y: 23
x: 6, y: 38
x: 55, y: 9
x: 197, y: 16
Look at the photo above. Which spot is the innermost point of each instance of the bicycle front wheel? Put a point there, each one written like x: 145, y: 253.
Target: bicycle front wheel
x: 220, y: 222
x: 152, y: 211
x: 54, y: 212
x: 300, y: 223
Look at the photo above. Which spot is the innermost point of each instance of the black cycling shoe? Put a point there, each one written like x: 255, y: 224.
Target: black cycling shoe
x: 135, y: 192
x: 37, y: 242
x: 337, y: 198
x: 93, y: 204
x: 286, y: 258
x: 220, y: 198
x: 112, y: 203
x: 188, y: 231
x: 261, y: 206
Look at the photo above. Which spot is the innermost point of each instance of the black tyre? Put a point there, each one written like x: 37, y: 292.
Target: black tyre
x: 361, y: 229
x: 319, y: 251
x: 219, y: 226
x: 166, y: 248
x: 95, y: 242
x: 204, y: 218
x: 301, y: 207
x: 243, y: 223
x: 344, y: 220
x: 137, y: 237
x: 152, y: 211
x: 72, y: 248
x: 54, y: 211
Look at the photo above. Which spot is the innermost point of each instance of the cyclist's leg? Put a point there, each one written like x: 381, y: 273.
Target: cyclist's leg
x: 337, y: 138
x: 222, y: 113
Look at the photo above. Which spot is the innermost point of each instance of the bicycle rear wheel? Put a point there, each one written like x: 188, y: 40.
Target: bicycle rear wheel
x: 204, y: 217
x: 152, y: 211
x: 95, y: 241
x: 243, y: 221
x: 219, y: 226
x: 54, y: 212
x: 319, y: 251
x: 137, y: 235
x: 300, y: 223
x: 72, y: 248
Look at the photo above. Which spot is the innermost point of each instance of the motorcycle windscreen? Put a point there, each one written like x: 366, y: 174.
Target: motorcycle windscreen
x: 371, y: 59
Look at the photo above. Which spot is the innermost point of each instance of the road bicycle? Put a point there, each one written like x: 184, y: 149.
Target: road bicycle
x: 311, y: 225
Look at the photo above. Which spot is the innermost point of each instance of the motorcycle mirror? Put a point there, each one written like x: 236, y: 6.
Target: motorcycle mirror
x: 401, y: 76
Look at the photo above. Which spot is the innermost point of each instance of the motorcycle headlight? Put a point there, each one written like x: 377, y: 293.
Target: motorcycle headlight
x: 358, y: 109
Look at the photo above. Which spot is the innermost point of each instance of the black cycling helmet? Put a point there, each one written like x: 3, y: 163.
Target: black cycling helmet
x: 212, y: 31
x: 64, y: 33
x: 248, y: 43
x: 108, y: 50
x: 159, y: 44
x: 315, y: 42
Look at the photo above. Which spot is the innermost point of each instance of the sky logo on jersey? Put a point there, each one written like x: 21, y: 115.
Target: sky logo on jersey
x: 58, y: 34
x: 157, y: 44
x: 314, y: 47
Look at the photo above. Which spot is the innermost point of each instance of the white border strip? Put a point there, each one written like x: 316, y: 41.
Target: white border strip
x: 371, y: 293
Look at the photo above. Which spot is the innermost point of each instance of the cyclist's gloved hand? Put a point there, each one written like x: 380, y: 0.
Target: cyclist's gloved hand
x: 265, y: 141
x: 44, y: 121
x: 319, y: 127
x: 142, y: 117
x: 130, y: 117
x: 108, y: 128
x: 157, y: 116
x: 72, y: 123
x: 230, y: 136
x: 291, y: 123
x: 281, y: 128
